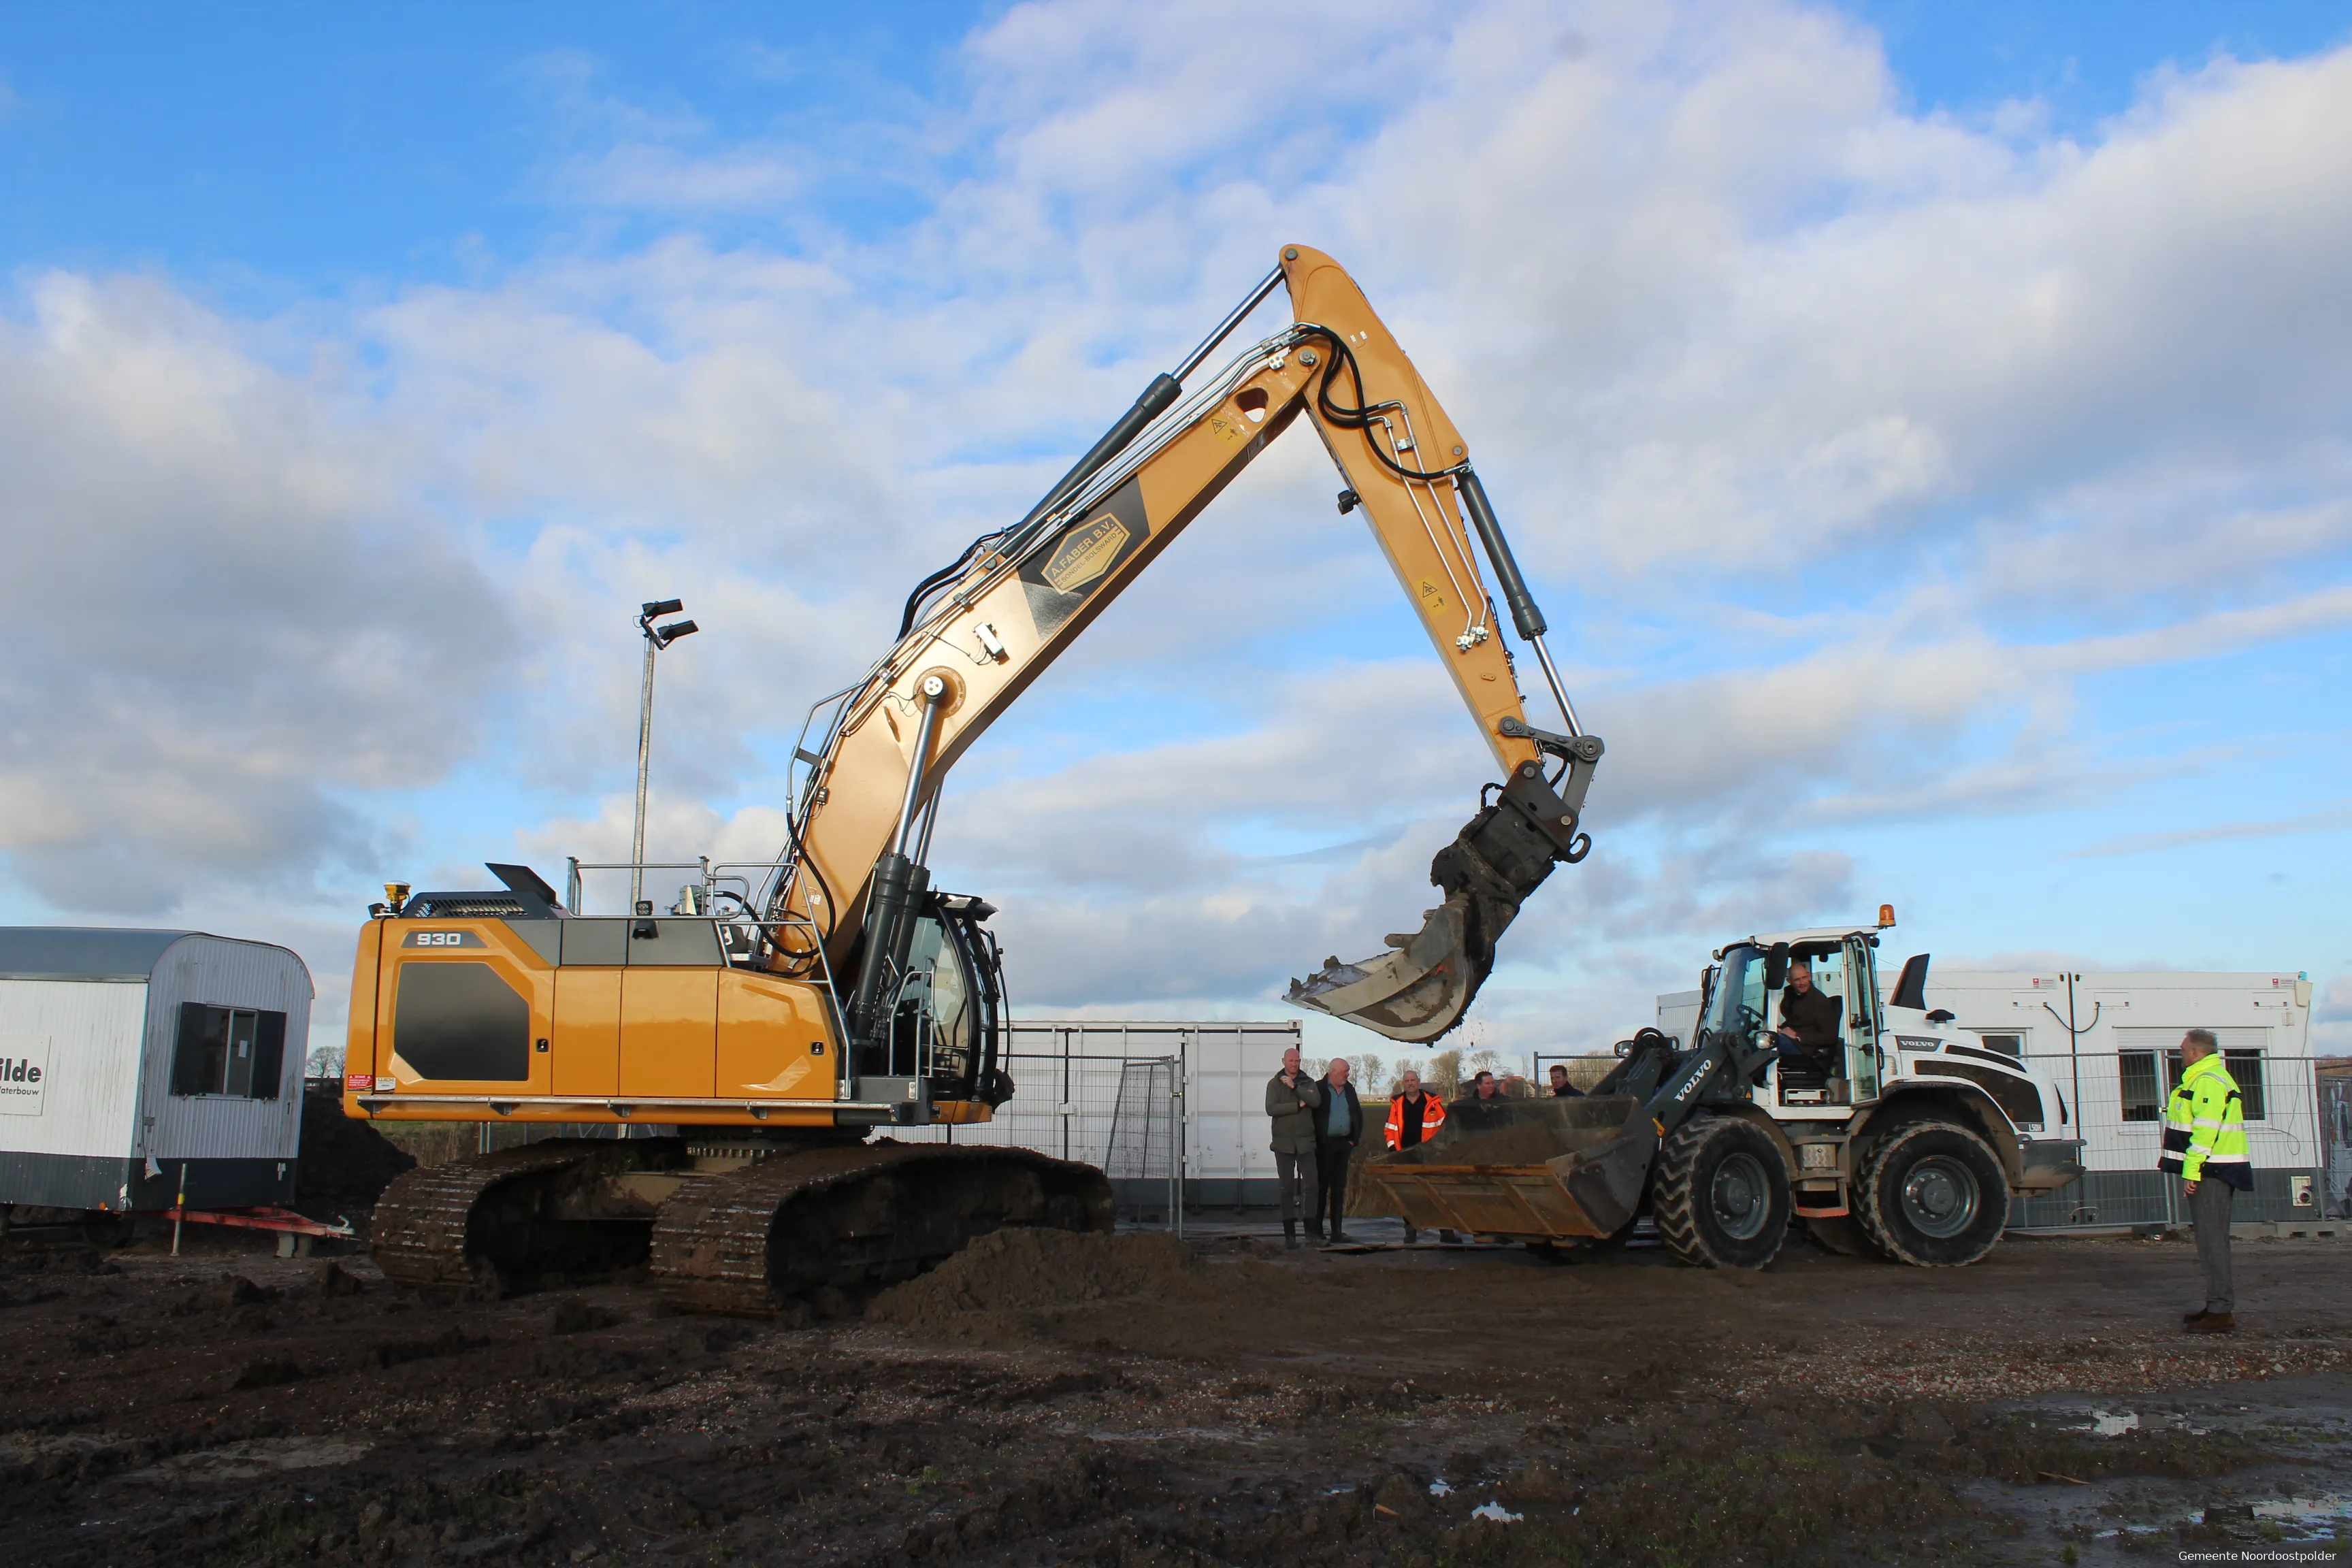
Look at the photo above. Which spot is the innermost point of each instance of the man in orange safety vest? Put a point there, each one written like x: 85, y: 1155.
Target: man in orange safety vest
x: 1413, y: 1119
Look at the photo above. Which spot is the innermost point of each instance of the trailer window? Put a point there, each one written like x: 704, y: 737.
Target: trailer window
x: 235, y: 1051
x: 2141, y: 1102
x: 2007, y: 1044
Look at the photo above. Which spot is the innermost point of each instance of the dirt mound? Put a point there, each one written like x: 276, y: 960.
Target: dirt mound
x: 346, y: 1164
x: 1026, y: 1270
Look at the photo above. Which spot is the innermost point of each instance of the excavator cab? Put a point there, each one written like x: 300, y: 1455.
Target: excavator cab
x: 945, y: 1025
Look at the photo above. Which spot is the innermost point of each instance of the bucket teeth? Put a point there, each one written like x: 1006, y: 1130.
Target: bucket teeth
x: 1423, y: 986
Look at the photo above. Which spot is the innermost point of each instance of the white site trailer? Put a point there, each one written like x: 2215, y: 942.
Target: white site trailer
x: 131, y: 1060
x: 2111, y: 1044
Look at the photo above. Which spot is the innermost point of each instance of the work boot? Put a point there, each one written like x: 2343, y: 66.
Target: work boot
x: 1315, y: 1229
x: 1339, y: 1237
x: 2214, y: 1323
x: 1290, y: 1234
x: 2199, y: 1316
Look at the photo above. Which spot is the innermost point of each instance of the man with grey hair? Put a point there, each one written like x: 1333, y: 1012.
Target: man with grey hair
x: 1339, y: 1125
x: 1292, y: 1098
x: 2205, y: 1144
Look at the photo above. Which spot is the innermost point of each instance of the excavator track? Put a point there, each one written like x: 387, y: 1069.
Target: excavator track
x: 806, y: 1233
x: 512, y: 1220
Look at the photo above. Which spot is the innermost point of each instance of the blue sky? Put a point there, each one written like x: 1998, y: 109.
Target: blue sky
x: 1927, y: 424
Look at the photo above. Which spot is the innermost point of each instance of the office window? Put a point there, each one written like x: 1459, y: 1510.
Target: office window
x: 2246, y: 1067
x: 2144, y: 1097
x: 235, y: 1051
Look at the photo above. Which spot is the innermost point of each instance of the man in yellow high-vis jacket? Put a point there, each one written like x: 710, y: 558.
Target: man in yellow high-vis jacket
x: 2205, y: 1143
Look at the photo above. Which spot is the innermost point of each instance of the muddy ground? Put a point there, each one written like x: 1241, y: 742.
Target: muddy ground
x: 1126, y: 1400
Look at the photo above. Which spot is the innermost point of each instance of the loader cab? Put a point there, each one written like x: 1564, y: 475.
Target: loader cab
x: 1843, y: 966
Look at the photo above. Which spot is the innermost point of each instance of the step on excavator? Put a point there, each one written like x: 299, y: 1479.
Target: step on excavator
x: 780, y: 1016
x: 1902, y: 1140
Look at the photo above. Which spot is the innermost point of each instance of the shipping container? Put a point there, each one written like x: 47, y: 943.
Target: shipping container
x: 134, y: 1061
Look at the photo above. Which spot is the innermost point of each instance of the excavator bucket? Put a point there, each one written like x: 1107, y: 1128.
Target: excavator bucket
x: 1417, y: 989
x: 1546, y: 1170
x: 1420, y: 987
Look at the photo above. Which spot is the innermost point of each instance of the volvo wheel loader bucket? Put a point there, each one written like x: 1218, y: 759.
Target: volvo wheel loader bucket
x: 1420, y: 987
x: 1553, y: 1169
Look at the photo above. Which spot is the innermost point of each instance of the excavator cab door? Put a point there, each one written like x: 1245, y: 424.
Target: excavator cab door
x: 943, y: 1025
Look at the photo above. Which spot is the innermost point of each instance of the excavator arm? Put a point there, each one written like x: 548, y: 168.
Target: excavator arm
x: 977, y: 633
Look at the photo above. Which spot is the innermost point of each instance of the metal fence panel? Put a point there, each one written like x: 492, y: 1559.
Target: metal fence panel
x: 2116, y: 1100
x: 1066, y: 1075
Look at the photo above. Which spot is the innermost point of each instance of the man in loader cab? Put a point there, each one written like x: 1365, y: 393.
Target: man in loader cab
x: 1810, y: 1023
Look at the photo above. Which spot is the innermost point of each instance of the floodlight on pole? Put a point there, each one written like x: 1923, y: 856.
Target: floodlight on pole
x: 656, y: 639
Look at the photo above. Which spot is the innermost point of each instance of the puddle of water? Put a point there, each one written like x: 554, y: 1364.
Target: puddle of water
x: 243, y: 1461
x: 2307, y: 1510
x: 2116, y: 1426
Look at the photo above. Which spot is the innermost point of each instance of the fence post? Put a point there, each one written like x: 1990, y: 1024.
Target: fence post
x: 1176, y: 1137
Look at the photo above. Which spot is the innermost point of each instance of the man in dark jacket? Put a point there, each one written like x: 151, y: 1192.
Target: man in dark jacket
x: 1339, y: 1123
x: 1810, y: 1023
x: 1291, y: 1101
x: 1560, y: 1088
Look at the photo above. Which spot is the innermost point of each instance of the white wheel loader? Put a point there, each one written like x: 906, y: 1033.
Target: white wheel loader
x: 1905, y: 1141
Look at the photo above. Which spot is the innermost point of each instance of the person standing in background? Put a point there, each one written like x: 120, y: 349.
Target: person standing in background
x: 1339, y: 1123
x: 1292, y: 1098
x: 1413, y: 1119
x: 2205, y: 1143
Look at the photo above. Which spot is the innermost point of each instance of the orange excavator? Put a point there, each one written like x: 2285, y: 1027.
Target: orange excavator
x: 777, y: 1017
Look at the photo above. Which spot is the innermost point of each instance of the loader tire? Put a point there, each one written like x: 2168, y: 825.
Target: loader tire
x: 1720, y: 1196
x: 1932, y: 1194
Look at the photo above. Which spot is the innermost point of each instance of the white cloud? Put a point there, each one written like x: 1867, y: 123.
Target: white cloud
x: 1847, y: 445
x: 225, y: 614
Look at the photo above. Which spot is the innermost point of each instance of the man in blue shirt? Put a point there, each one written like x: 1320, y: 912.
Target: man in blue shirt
x: 1339, y: 1123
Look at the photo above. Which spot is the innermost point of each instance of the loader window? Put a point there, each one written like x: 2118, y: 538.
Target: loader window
x: 1736, y: 1002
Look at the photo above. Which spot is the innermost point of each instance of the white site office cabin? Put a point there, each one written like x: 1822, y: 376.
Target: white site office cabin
x: 136, y: 1056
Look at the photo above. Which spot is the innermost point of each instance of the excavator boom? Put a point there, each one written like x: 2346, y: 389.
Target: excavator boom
x: 978, y: 633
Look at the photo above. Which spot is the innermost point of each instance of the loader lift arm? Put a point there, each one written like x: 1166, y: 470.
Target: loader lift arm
x: 978, y: 632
